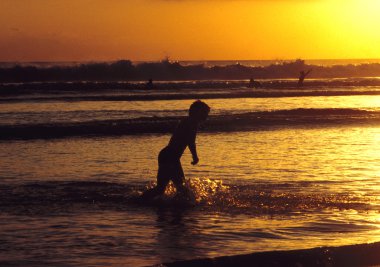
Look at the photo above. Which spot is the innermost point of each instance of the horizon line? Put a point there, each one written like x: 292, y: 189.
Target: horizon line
x: 180, y: 60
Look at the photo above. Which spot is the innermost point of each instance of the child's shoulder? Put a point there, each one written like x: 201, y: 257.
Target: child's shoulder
x: 186, y: 126
x: 187, y: 122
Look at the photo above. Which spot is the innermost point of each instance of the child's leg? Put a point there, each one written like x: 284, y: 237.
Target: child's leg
x: 179, y: 182
x: 178, y: 177
x: 162, y: 182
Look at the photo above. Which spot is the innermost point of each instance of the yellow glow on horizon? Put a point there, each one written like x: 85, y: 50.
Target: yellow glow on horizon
x: 353, y: 27
x: 219, y: 29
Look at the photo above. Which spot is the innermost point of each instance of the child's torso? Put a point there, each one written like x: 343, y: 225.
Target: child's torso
x: 183, y: 136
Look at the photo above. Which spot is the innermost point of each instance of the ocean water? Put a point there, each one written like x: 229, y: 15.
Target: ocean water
x: 275, y: 173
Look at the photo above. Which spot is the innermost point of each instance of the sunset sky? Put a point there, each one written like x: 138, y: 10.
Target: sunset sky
x: 78, y: 30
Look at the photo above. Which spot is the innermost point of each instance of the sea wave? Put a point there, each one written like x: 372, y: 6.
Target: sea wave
x: 165, y: 70
x: 132, y: 91
x: 219, y: 89
x: 218, y: 123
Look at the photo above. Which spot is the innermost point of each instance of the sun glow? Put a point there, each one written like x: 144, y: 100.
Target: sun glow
x: 355, y: 25
x: 219, y: 29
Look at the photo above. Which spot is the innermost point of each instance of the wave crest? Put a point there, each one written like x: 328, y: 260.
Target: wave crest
x: 219, y: 123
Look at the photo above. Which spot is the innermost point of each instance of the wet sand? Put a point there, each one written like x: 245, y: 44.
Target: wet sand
x: 352, y: 255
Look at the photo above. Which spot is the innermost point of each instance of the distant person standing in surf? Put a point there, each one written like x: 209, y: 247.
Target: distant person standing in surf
x: 302, y: 77
x: 169, y: 164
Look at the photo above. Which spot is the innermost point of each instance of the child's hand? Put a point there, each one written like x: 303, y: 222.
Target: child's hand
x: 195, y: 161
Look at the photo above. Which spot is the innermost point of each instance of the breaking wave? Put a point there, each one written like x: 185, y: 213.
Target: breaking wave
x: 170, y: 90
x: 166, y: 70
x: 219, y: 123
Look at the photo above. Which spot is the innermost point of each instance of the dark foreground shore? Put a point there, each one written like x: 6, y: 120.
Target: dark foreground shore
x: 352, y: 255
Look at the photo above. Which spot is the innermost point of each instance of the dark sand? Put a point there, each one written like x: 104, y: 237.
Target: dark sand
x: 353, y: 255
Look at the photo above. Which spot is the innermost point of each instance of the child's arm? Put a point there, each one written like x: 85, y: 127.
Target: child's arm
x: 193, y: 150
x: 193, y: 146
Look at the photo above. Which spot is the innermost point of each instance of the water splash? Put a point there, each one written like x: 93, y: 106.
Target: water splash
x: 213, y: 194
x: 201, y: 191
x: 205, y: 193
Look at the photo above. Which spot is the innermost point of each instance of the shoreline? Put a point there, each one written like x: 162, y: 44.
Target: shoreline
x: 348, y: 255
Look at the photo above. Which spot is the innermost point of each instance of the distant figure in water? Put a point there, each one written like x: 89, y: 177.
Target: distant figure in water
x: 302, y: 77
x: 254, y: 84
x: 169, y: 164
x: 149, y: 84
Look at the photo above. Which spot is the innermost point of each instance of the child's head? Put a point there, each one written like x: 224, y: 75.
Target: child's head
x: 199, y: 110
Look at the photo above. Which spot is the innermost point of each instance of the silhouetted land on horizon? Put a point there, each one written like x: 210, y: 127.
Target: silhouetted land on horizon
x: 125, y: 70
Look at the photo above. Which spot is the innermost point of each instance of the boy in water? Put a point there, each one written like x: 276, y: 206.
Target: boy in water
x: 302, y: 77
x: 169, y: 164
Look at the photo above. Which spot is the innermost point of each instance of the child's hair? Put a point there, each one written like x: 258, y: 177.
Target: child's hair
x: 199, y: 110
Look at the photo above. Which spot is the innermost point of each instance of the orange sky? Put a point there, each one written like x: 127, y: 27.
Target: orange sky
x: 75, y: 30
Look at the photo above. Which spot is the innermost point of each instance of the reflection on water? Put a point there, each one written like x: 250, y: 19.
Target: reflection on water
x: 297, y: 188
x: 141, y: 236
x: 343, y: 155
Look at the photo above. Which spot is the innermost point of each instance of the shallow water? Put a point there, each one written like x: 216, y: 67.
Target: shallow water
x: 71, y: 201
x: 274, y: 174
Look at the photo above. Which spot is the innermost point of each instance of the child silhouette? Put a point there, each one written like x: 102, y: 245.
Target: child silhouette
x: 302, y: 77
x: 169, y: 164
